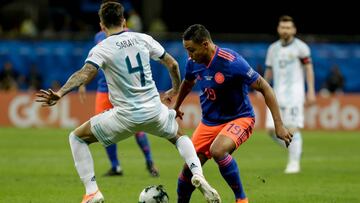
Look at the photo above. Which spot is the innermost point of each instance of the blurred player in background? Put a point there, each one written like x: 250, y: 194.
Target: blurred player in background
x: 227, y: 115
x: 125, y: 59
x: 102, y: 103
x: 286, y: 61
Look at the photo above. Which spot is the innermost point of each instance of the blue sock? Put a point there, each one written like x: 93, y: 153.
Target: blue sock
x: 112, y: 154
x: 143, y: 143
x: 229, y: 170
x: 184, y: 188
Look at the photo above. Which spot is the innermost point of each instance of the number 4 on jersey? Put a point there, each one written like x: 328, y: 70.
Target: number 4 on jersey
x: 139, y: 68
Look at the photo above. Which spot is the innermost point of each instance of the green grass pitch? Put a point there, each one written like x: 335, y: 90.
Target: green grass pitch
x: 36, y: 166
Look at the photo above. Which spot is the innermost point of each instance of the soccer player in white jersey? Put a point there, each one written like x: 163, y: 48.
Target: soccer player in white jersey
x: 125, y: 59
x: 287, y: 59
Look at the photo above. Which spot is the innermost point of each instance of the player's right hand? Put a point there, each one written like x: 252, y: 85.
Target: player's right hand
x: 284, y: 134
x: 47, y: 97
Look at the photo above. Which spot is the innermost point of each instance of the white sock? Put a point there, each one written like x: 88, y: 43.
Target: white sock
x: 188, y: 153
x: 83, y: 162
x: 295, y: 148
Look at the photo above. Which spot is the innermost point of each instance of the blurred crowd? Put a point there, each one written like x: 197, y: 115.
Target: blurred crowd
x: 61, y: 19
x: 12, y: 80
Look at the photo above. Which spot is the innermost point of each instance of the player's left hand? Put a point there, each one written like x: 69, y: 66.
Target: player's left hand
x: 284, y: 134
x: 47, y: 97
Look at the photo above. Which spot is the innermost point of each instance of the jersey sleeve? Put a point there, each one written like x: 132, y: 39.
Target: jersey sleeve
x: 189, y: 75
x: 243, y: 70
x: 95, y: 57
x: 157, y: 51
x: 304, y: 53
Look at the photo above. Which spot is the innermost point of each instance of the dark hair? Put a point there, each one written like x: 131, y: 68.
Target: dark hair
x: 111, y: 14
x: 105, y: 1
x: 197, y: 33
x: 286, y: 18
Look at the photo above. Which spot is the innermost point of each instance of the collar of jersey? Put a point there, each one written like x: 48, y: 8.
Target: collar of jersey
x: 285, y: 45
x: 212, y: 58
x: 118, y: 33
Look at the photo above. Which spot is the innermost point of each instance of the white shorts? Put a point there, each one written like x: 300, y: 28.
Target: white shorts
x: 111, y: 126
x: 292, y: 116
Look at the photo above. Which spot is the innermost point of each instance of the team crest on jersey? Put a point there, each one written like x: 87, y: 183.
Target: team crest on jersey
x: 219, y: 78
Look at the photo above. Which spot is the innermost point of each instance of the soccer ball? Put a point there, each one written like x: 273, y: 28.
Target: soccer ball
x: 154, y: 194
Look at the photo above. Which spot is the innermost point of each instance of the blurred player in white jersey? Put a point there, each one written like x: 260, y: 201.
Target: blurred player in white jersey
x: 125, y: 59
x: 287, y: 59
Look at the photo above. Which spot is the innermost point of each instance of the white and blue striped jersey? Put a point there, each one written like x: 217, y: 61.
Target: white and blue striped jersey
x: 288, y: 72
x: 125, y: 60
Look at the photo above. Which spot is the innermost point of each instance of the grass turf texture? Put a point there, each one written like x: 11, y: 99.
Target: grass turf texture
x: 36, y: 166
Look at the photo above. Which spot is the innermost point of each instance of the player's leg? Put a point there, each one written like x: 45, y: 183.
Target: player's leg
x: 295, y: 151
x: 202, y: 138
x: 106, y: 128
x: 230, y: 138
x: 143, y: 142
x: 184, y: 187
x: 270, y: 127
x: 295, y: 121
x: 166, y: 126
x: 188, y: 153
x: 79, y: 140
x: 115, y: 169
x: 102, y: 104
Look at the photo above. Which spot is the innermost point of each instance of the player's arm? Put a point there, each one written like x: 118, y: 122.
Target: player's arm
x: 262, y: 86
x: 268, y: 74
x: 185, y: 88
x: 309, y: 71
x: 173, y: 67
x: 80, y: 77
x: 82, y: 93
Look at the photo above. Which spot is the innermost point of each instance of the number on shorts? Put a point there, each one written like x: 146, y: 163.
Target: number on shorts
x: 234, y: 129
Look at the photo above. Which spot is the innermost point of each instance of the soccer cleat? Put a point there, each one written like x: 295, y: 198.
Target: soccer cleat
x: 117, y: 172
x: 292, y: 167
x: 154, y: 172
x: 210, y: 194
x: 95, y: 197
x: 242, y: 200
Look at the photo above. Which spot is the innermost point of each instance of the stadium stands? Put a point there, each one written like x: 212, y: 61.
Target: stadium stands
x: 56, y: 60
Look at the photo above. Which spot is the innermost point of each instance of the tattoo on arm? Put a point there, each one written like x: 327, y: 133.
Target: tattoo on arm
x: 175, y: 73
x: 80, y: 77
x: 173, y: 68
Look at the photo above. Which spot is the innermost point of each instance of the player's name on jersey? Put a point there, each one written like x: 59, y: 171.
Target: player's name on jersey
x: 127, y: 43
